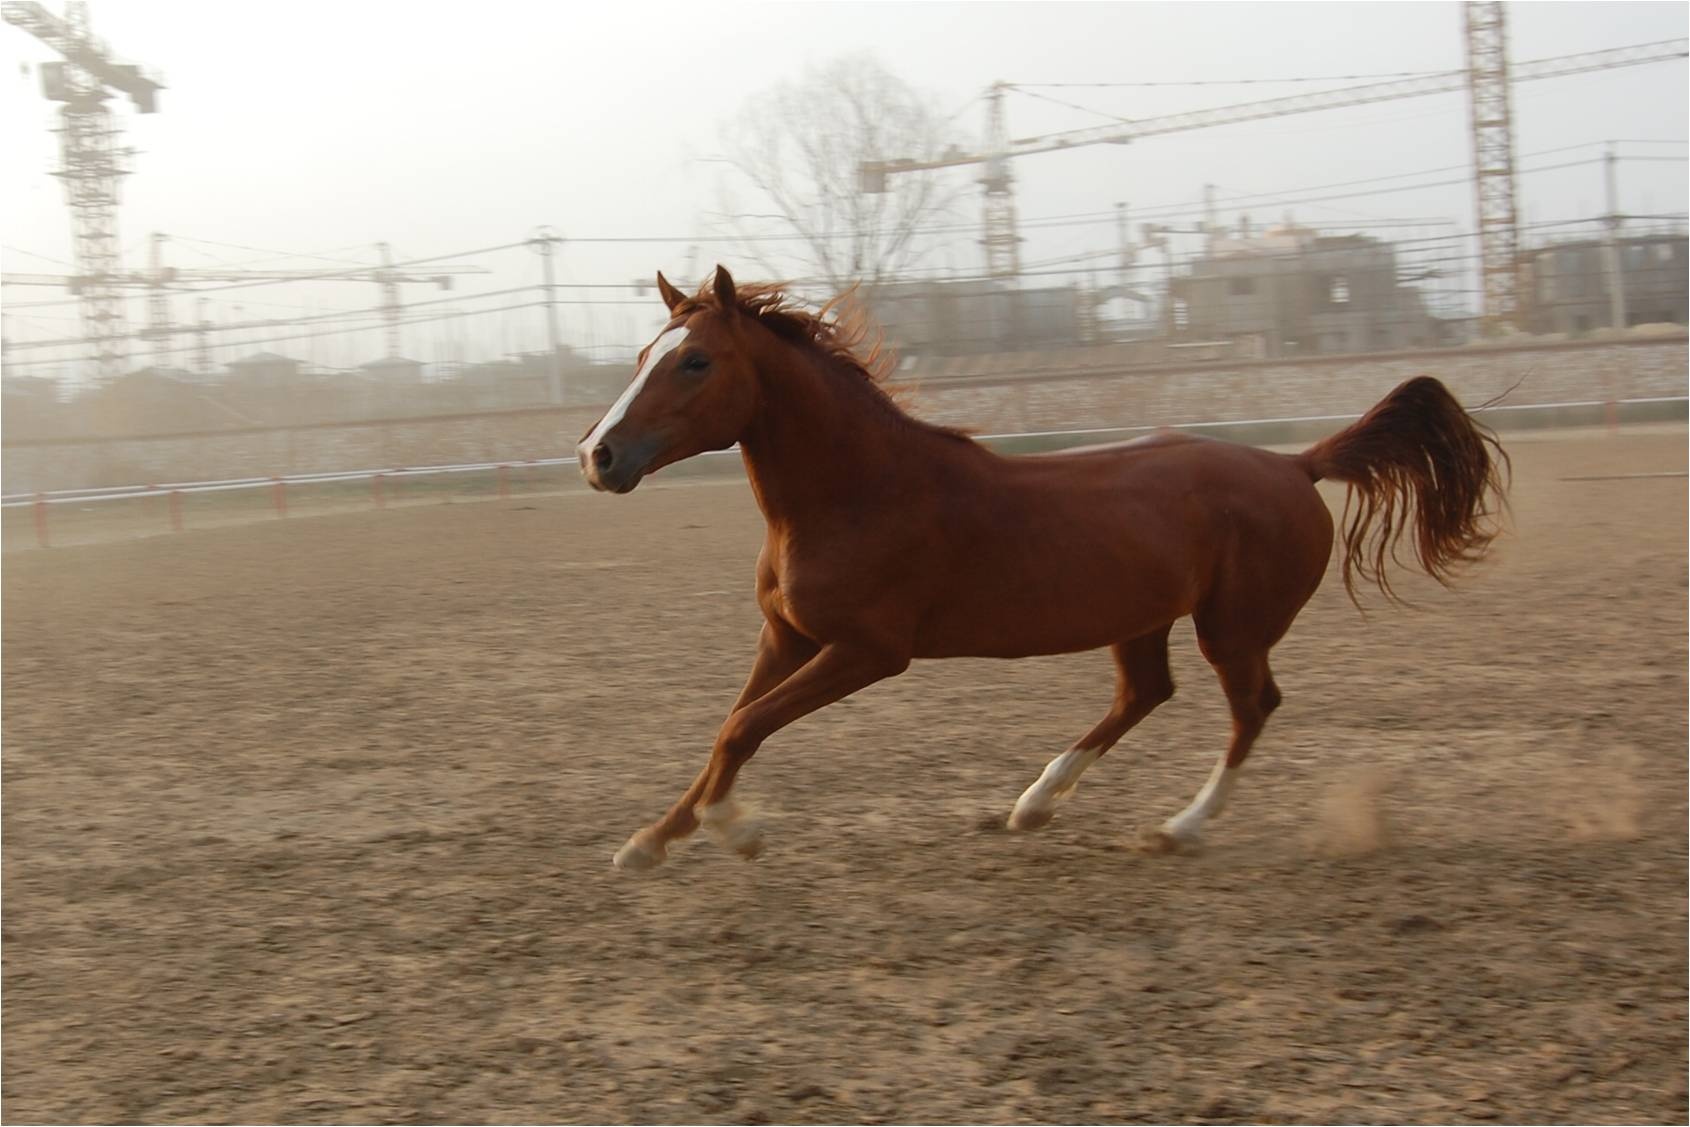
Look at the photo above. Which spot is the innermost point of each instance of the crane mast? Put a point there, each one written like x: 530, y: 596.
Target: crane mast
x: 1491, y: 109
x: 1002, y: 242
x: 91, y: 164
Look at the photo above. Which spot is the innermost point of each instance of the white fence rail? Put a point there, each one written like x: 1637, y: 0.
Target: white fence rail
x: 278, y: 484
x: 129, y: 492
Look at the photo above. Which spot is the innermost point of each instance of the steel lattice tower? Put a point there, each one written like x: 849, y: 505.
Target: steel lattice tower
x: 90, y: 166
x: 90, y: 162
x: 1493, y: 163
x: 1003, y: 245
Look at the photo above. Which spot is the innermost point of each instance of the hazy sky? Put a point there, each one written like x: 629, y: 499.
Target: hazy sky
x: 312, y: 126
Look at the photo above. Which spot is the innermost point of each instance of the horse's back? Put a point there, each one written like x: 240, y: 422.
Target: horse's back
x: 1169, y: 462
x: 1162, y: 436
x: 1097, y: 545
x: 1245, y: 509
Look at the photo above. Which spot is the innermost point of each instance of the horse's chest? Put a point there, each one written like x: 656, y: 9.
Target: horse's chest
x: 818, y: 596
x: 791, y: 597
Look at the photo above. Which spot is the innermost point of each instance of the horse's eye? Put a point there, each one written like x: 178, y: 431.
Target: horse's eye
x: 695, y: 363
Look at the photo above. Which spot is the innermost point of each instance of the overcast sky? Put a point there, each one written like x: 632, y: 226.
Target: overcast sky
x: 313, y: 126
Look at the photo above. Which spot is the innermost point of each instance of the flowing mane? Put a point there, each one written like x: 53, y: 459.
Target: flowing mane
x: 839, y: 329
x: 842, y: 331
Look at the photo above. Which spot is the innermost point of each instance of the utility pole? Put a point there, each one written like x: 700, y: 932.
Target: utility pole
x: 544, y: 242
x: 1123, y: 240
x: 202, y: 333
x: 1611, y: 246
x: 1156, y: 238
x: 158, y: 302
x: 389, y: 283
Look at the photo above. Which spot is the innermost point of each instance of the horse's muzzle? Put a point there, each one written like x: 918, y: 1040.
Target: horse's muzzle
x: 613, y: 466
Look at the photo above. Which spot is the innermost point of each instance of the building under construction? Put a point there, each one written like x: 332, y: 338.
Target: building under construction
x: 1572, y: 283
x: 1290, y: 291
x: 984, y: 315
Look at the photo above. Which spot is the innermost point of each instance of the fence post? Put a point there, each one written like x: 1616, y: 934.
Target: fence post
x: 279, y: 493
x: 40, y: 508
x: 504, y: 483
x: 176, y: 510
x: 377, y: 490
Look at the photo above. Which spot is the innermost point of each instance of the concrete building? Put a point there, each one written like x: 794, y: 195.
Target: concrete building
x: 395, y: 371
x: 264, y: 389
x: 1570, y: 290
x: 152, y: 400
x: 961, y: 318
x: 30, y: 407
x: 1291, y: 291
x: 264, y: 369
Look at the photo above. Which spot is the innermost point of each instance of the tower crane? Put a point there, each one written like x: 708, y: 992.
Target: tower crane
x: 158, y: 280
x: 90, y: 161
x: 1000, y: 237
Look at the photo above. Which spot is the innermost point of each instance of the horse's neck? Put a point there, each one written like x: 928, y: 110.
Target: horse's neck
x: 821, y: 443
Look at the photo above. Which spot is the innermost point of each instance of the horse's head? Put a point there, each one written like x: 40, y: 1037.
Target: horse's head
x: 694, y: 389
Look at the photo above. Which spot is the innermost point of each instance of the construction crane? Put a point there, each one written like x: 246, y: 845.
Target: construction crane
x: 1491, y: 113
x: 1000, y: 237
x: 159, y: 279
x: 90, y: 162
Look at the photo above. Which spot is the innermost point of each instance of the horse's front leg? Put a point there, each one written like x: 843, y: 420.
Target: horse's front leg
x: 835, y: 672
x: 781, y: 651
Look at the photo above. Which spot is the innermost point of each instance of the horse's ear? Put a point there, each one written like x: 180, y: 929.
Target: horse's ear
x: 672, y: 297
x: 725, y: 287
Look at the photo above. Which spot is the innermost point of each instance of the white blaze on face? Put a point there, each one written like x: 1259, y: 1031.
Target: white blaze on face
x: 660, y: 348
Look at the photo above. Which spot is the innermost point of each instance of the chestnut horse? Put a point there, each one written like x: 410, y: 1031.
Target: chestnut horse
x: 890, y: 538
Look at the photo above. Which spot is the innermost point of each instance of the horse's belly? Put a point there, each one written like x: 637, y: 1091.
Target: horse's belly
x: 1064, y: 603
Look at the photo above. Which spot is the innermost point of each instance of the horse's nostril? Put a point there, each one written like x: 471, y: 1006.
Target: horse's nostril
x: 602, y: 457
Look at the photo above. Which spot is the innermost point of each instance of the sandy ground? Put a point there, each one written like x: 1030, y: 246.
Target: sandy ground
x: 311, y: 821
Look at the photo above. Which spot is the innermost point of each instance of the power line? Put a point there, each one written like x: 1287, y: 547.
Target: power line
x: 324, y: 256
x: 1226, y: 81
x: 1074, y: 106
x: 1164, y: 210
x: 373, y: 318
x: 42, y: 257
x: 314, y: 277
x: 373, y: 326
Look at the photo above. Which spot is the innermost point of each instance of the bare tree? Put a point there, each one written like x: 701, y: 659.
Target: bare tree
x: 799, y: 147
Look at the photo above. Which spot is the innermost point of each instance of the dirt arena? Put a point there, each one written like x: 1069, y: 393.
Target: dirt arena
x: 311, y: 821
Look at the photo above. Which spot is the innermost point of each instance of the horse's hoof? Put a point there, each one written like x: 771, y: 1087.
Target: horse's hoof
x: 1024, y: 819
x: 744, y: 838
x: 1159, y: 840
x: 732, y: 828
x: 751, y: 848
x: 640, y: 854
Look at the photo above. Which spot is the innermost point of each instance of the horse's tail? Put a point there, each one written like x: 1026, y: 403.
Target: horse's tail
x: 1415, y: 458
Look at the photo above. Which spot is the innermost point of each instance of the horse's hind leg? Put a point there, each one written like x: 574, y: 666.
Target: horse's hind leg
x: 1142, y: 682
x: 1252, y: 696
